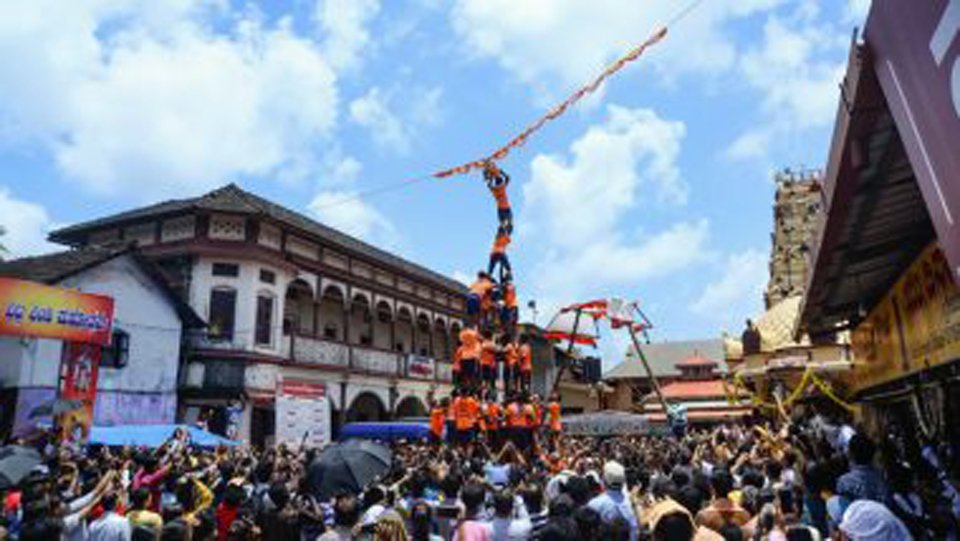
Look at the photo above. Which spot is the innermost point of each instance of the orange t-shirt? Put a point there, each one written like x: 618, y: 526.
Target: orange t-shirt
x: 467, y: 409
x: 488, y: 355
x: 514, y: 415
x: 493, y: 416
x: 500, y: 244
x: 512, y: 355
x: 436, y: 421
x: 553, y: 410
x: 510, y: 295
x: 481, y: 287
x: 526, y: 358
x: 500, y: 194
x: 469, y: 344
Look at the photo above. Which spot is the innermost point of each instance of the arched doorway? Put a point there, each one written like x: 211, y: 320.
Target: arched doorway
x: 411, y: 407
x: 383, y: 327
x: 404, y: 329
x: 366, y: 407
x: 361, y: 321
x: 423, y: 335
x: 332, y: 314
x: 298, y: 308
x: 441, y: 342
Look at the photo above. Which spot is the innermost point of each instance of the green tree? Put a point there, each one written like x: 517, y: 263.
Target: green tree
x: 3, y: 249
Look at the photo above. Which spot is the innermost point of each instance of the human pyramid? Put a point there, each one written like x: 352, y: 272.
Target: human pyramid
x: 492, y: 400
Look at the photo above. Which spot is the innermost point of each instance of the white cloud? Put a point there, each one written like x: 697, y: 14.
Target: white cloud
x: 344, y: 26
x: 632, y: 149
x: 340, y: 170
x: 373, y: 112
x: 574, y: 204
x: 856, y: 11
x: 26, y: 225
x: 345, y: 211
x: 796, y: 75
x: 570, y: 40
x: 389, y: 130
x: 738, y: 291
x: 156, y: 98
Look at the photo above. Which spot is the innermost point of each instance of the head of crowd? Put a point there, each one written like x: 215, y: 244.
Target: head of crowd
x: 806, y: 480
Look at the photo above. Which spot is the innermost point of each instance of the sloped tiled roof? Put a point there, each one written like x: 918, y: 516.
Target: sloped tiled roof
x: 231, y: 198
x: 52, y: 268
x: 694, y: 389
x: 664, y: 356
x: 56, y: 267
x: 697, y: 360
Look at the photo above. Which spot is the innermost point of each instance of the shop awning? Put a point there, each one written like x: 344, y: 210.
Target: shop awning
x: 875, y: 221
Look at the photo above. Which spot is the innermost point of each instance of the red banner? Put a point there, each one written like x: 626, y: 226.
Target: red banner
x: 303, y: 388
x: 79, y: 368
x: 32, y: 309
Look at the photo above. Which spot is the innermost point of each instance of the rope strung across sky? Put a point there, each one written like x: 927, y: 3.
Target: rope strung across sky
x: 557, y: 111
x: 520, y: 139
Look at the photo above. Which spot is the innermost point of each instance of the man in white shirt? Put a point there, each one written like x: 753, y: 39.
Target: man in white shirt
x: 110, y: 526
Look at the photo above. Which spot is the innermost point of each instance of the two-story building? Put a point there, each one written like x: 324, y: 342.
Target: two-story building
x: 137, y: 375
x: 286, y: 297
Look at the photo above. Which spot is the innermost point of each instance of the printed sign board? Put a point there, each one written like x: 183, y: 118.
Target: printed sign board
x: 39, y: 310
x: 303, y: 412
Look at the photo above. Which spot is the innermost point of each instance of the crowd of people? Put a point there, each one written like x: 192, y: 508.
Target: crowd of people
x: 806, y: 481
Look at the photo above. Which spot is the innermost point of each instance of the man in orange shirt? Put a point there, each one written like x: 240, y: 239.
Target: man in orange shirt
x: 488, y: 361
x: 497, y: 182
x: 467, y: 410
x: 509, y: 311
x: 479, y: 297
x: 438, y: 415
x: 492, y: 413
x: 468, y: 357
x: 513, y: 421
x: 498, y: 255
x: 526, y: 363
x: 511, y: 371
x: 528, y: 425
x: 553, y: 414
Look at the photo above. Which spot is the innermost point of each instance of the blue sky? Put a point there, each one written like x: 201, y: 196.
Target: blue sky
x: 658, y: 188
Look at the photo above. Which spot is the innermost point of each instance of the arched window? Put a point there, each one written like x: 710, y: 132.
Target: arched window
x: 223, y: 313
x: 263, y: 334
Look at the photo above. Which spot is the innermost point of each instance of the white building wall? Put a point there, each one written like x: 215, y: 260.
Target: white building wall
x: 144, y: 391
x: 248, y: 286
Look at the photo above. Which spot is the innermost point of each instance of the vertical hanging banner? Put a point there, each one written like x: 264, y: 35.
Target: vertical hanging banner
x: 42, y: 311
x: 79, y: 368
x: 303, y: 413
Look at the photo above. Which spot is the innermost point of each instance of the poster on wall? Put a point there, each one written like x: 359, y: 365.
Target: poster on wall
x: 39, y: 310
x: 914, y: 327
x: 303, y: 413
x: 79, y: 367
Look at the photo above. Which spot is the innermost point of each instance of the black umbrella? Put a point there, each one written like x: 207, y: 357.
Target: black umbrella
x: 56, y: 407
x: 348, y: 467
x: 15, y: 463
